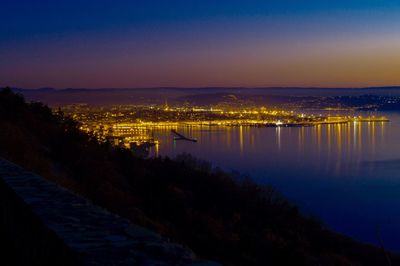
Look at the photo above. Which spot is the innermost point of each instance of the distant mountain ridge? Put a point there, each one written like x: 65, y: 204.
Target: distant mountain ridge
x: 208, y: 96
x: 208, y: 88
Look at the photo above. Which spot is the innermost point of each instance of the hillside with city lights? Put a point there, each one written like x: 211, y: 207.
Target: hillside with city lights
x: 199, y: 133
x: 184, y: 199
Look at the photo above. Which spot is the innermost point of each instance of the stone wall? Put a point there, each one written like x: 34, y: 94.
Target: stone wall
x: 49, y: 225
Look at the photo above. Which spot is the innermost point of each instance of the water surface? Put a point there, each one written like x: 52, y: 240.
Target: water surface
x: 346, y: 175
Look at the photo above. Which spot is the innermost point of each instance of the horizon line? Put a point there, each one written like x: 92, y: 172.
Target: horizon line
x: 206, y: 87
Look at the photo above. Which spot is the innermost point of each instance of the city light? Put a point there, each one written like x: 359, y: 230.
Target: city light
x: 133, y: 126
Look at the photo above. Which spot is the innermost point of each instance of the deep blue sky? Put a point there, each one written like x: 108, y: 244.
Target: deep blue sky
x: 198, y: 43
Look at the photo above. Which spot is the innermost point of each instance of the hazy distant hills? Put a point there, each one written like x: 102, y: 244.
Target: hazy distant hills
x: 196, y: 96
x: 242, y: 99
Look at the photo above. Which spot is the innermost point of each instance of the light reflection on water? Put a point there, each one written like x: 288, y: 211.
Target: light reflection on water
x: 348, y: 175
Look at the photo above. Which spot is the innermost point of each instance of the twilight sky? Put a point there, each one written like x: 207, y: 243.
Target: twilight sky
x: 188, y: 43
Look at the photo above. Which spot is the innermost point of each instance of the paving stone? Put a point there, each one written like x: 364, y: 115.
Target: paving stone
x: 96, y: 235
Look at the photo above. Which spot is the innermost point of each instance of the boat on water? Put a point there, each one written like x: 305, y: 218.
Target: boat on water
x: 179, y: 136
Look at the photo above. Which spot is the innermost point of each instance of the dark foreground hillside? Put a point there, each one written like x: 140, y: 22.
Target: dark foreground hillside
x: 233, y: 222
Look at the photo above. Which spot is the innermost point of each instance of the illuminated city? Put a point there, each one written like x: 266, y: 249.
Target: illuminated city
x: 131, y: 126
x: 200, y: 133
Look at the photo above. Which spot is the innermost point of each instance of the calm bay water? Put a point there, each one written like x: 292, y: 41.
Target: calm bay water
x: 347, y: 175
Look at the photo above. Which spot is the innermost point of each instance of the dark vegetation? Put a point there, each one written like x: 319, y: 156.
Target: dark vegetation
x: 233, y: 222
x: 8, y: 253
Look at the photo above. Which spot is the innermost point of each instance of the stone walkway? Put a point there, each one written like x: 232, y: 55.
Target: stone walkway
x: 97, y: 236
